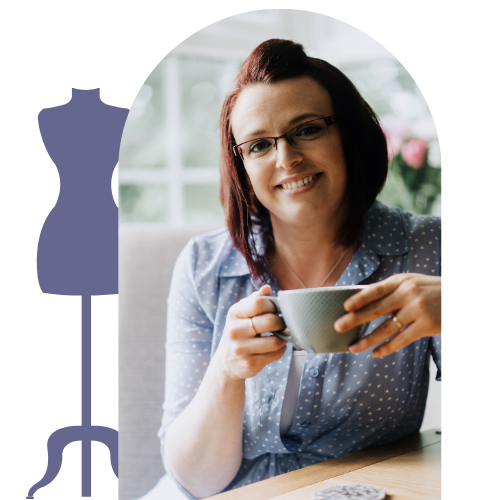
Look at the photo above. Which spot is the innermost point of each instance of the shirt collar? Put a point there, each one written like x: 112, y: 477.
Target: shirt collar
x: 384, y: 234
x: 385, y: 230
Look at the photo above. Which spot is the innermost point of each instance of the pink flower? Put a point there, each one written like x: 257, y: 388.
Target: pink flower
x: 413, y: 152
x: 395, y: 130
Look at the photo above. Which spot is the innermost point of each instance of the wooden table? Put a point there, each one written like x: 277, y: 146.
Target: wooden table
x: 409, y: 469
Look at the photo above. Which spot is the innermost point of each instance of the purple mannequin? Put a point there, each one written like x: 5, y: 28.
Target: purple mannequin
x: 78, y: 245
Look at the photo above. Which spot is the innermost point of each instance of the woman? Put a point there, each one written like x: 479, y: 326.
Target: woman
x: 303, y: 160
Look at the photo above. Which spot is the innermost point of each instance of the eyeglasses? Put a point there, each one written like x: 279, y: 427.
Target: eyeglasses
x: 299, y: 137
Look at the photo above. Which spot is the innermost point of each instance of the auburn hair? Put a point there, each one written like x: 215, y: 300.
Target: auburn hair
x: 363, y: 142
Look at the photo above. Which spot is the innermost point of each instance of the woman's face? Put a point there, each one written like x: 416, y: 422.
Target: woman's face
x: 270, y: 110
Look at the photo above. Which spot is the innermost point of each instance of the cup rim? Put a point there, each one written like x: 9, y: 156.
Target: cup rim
x: 323, y: 289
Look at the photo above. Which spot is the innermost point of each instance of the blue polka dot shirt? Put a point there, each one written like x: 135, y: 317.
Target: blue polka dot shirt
x: 347, y: 402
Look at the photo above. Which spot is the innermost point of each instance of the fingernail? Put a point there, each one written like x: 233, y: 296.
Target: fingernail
x: 355, y: 348
x: 340, y: 326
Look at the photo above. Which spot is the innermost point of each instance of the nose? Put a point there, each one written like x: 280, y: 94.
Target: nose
x: 287, y: 156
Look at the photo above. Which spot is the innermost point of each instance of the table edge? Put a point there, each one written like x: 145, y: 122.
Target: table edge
x: 290, y: 481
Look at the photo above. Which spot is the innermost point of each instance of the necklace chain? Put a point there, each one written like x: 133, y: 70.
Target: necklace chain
x: 299, y: 280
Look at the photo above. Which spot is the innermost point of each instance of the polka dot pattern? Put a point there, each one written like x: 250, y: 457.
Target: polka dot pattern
x: 346, y: 402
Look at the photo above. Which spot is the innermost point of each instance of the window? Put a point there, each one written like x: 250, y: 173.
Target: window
x: 170, y: 147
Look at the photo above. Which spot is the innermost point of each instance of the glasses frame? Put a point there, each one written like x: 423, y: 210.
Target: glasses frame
x: 329, y: 120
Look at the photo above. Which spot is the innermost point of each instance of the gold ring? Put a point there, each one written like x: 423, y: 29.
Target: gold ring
x: 253, y: 327
x: 398, y: 323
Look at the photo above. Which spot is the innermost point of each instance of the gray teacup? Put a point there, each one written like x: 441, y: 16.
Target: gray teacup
x: 309, y: 315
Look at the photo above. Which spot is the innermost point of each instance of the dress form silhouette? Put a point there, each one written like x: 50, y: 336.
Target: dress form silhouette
x: 78, y: 245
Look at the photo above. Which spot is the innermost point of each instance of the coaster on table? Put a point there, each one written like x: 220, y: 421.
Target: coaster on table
x: 351, y: 491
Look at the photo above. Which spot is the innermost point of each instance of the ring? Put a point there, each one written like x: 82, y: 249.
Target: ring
x: 398, y: 323
x: 253, y: 327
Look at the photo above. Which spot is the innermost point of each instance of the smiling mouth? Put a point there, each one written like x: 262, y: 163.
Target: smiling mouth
x: 298, y: 184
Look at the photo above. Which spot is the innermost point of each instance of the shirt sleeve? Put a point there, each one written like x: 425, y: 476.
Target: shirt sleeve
x: 435, y: 347
x: 424, y: 236
x: 436, y: 343
x: 188, y: 345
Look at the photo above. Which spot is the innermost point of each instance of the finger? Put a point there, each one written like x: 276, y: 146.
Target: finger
x: 270, y: 357
x: 268, y: 344
x: 382, y: 332
x: 411, y: 333
x: 254, y: 304
x: 385, y: 305
x: 373, y: 292
x: 268, y: 322
x: 377, y: 309
x: 258, y: 345
x: 250, y: 328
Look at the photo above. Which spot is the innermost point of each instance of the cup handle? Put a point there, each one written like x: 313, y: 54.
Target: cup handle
x: 281, y: 335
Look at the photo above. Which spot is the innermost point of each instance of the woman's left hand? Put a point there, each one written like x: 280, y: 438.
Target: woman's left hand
x: 414, y: 300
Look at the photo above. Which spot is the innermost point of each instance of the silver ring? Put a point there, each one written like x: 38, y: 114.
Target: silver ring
x: 253, y: 327
x: 398, y: 323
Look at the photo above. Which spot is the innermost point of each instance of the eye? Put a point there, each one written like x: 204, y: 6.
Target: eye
x: 309, y: 130
x: 258, y: 147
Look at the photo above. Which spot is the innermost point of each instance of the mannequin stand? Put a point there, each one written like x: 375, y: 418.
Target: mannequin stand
x: 78, y: 246
x: 85, y: 432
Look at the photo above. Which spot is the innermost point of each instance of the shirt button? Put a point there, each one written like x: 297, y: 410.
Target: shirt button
x: 305, y: 424
x: 314, y: 372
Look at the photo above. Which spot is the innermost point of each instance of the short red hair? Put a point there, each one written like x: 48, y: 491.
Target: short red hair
x: 363, y: 142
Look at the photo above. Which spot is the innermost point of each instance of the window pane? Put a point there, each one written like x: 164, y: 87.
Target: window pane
x: 202, y: 204
x: 143, y: 203
x: 203, y: 83
x: 143, y: 141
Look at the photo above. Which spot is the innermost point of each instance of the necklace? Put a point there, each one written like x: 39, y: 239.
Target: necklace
x: 299, y: 280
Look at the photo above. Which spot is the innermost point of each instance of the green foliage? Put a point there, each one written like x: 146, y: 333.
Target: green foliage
x: 417, y: 190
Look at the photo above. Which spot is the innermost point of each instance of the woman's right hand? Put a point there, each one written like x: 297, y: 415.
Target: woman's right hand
x: 242, y: 352
x: 204, y: 444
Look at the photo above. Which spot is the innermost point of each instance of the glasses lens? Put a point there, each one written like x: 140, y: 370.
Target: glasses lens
x: 298, y: 137
x: 256, y: 149
x: 308, y: 132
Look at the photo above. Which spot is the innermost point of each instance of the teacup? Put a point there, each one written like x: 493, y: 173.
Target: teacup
x: 309, y: 314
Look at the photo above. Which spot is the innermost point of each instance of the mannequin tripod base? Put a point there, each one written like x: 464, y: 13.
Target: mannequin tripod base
x: 86, y: 434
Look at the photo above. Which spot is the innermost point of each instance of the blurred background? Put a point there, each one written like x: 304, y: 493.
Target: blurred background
x: 169, y: 155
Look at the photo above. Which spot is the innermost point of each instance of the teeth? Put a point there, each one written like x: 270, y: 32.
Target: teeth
x: 299, y: 183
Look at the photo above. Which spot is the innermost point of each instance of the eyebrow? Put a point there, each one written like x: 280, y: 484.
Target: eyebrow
x: 297, y: 120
